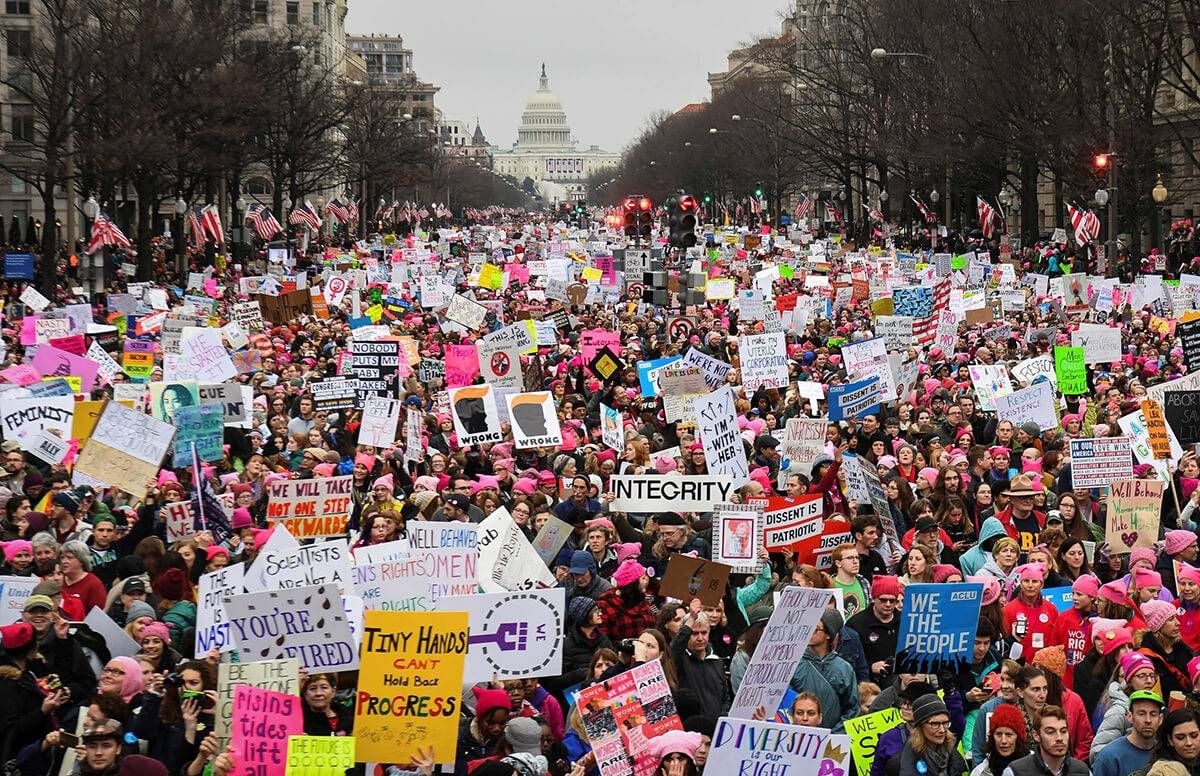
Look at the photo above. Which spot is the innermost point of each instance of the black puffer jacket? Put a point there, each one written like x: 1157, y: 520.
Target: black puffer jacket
x: 21, y: 717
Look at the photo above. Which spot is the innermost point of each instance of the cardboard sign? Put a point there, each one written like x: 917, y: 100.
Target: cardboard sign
x: 534, y: 420
x: 937, y: 626
x: 724, y: 453
x: 508, y: 559
x: 764, y: 362
x: 1033, y: 404
x: 780, y: 649
x: 476, y: 419
x: 611, y: 431
x: 23, y: 417
x: 413, y: 660
x: 1071, y: 368
x: 212, y: 624
x: 380, y: 419
x: 1134, y: 514
x: 687, y: 578
x: 263, y: 722
x: 416, y: 582
x: 307, y: 623
x: 282, y: 676
x: 332, y: 393
x: 737, y: 749
x: 53, y: 362
x: 737, y: 536
x: 115, y: 637
x: 280, y: 568
x: 286, y: 307
x: 1099, y: 461
x: 375, y: 366
x: 646, y: 493
x: 550, y: 538
x: 1156, y: 428
x: 1100, y: 344
x: 320, y: 755
x: 864, y: 733
x: 312, y: 508
x: 1031, y: 369
x: 512, y: 635
x: 991, y: 382
x: 1181, y: 410
x: 126, y: 449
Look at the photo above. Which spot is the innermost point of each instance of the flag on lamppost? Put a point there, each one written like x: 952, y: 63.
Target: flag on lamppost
x: 264, y: 223
x: 804, y: 208
x: 106, y: 232
x: 987, y: 217
x: 927, y: 214
x: 210, y: 221
x: 1085, y: 223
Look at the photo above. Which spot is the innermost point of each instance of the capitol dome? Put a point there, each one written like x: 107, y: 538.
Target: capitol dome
x: 544, y: 122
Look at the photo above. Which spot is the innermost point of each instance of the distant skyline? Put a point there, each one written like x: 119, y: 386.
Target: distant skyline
x: 486, y: 56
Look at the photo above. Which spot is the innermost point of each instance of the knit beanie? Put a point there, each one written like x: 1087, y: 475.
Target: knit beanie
x: 1156, y: 613
x: 926, y: 707
x: 1009, y: 716
x: 1132, y: 662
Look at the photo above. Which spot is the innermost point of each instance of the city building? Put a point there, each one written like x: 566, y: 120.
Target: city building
x: 546, y: 153
x: 389, y: 62
x: 458, y: 140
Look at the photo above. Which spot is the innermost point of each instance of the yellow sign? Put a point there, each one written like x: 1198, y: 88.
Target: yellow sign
x: 592, y: 274
x: 491, y: 277
x: 864, y: 735
x: 409, y: 685
x: 75, y: 382
x: 375, y: 312
x: 84, y: 421
x: 720, y: 288
x: 320, y: 755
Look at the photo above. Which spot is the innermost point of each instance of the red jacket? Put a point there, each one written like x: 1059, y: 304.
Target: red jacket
x: 1079, y: 726
x: 1189, y: 624
x: 1074, y: 632
x: 1032, y: 625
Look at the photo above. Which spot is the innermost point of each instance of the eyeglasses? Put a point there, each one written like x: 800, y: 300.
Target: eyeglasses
x: 112, y: 671
x: 887, y: 600
x: 938, y: 724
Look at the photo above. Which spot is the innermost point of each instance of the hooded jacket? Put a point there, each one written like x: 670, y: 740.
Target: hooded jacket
x: 841, y: 679
x: 974, y: 559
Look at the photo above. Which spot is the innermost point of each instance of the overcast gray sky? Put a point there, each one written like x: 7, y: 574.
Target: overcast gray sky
x: 486, y: 55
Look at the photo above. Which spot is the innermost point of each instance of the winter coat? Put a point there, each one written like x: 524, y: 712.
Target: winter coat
x: 841, y: 678
x: 1114, y: 725
x: 974, y: 559
x: 21, y: 716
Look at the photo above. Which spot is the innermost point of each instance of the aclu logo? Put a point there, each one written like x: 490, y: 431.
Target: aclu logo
x: 963, y: 595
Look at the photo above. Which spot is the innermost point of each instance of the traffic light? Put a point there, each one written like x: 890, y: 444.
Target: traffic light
x: 629, y: 216
x: 708, y: 199
x: 758, y: 192
x: 681, y: 221
x: 645, y: 216
x: 1100, y: 162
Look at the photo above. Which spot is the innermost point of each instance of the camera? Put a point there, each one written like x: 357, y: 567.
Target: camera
x: 173, y: 679
x: 625, y: 646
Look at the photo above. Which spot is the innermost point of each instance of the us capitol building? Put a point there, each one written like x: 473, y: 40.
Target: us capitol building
x: 545, y: 152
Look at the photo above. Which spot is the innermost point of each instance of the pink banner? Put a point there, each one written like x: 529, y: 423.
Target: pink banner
x: 462, y: 365
x: 592, y: 341
x: 52, y: 362
x: 262, y: 722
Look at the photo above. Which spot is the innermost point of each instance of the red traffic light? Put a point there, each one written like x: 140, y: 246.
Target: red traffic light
x: 631, y: 203
x: 645, y: 204
x: 1100, y: 161
x: 687, y: 203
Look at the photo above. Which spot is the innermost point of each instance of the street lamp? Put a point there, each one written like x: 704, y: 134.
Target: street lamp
x: 736, y: 117
x: 883, y: 195
x: 91, y: 208
x: 934, y: 196
x: 1159, y: 192
x: 712, y: 130
x: 1003, y: 197
x: 1101, y: 196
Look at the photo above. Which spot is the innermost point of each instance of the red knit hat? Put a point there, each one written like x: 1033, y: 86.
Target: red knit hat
x: 889, y: 586
x: 1009, y: 716
x: 488, y: 700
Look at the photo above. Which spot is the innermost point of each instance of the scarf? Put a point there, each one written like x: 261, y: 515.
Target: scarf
x: 938, y: 760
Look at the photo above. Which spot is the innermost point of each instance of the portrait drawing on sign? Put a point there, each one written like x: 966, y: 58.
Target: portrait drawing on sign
x: 471, y: 411
x: 738, y: 539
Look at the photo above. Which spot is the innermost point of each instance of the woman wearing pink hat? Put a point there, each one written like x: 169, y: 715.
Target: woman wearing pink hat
x: 1165, y: 648
x: 1073, y: 628
x: 1187, y: 583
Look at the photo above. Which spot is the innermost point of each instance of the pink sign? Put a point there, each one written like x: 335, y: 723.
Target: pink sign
x: 29, y: 329
x: 21, y: 374
x: 52, y: 362
x: 592, y: 341
x: 462, y: 365
x: 262, y: 721
x: 73, y: 344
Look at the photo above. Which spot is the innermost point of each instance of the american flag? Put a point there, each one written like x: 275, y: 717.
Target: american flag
x: 756, y: 205
x: 874, y: 214
x: 385, y: 211
x: 987, y: 217
x: 338, y: 210
x: 196, y: 225
x: 305, y: 215
x: 929, y: 216
x: 925, y: 329
x: 833, y: 213
x: 352, y: 210
x: 210, y: 221
x: 804, y: 208
x: 263, y: 221
x: 1085, y: 223
x: 106, y: 232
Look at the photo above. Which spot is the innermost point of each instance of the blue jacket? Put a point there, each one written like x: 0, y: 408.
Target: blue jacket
x: 975, y: 558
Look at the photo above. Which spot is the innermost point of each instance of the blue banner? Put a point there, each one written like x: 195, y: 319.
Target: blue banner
x: 18, y: 266
x: 204, y: 425
x: 1062, y: 598
x: 937, y: 627
x: 854, y: 399
x: 648, y: 373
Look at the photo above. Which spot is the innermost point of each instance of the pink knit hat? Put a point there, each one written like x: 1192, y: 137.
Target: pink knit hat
x: 1140, y: 554
x: 384, y: 482
x: 132, y: 683
x: 16, y: 547
x: 675, y: 742
x: 1087, y: 584
x: 628, y: 551
x: 1115, y: 592
x: 324, y: 470
x: 1177, y: 541
x: 1194, y: 669
x: 1132, y: 662
x: 664, y: 464
x: 1146, y: 578
x: 1188, y: 572
x: 1034, y: 571
x: 525, y: 486
x: 991, y: 587
x: 156, y: 629
x: 425, y: 482
x: 366, y: 460
x: 1156, y: 613
x: 241, y: 518
x: 628, y: 572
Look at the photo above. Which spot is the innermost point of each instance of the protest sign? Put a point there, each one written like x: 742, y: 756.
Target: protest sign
x: 207, y: 358
x: 687, y: 578
x: 212, y: 624
x: 1100, y: 344
x: 648, y: 372
x: 263, y: 721
x: 937, y: 626
x: 320, y: 755
x: 864, y: 733
x: 1156, y: 429
x: 466, y: 312
x: 1098, y: 461
x: 1134, y: 514
x: 737, y: 748
x: 534, y: 420
x: 115, y: 637
x: 199, y: 428
x: 802, y: 443
x: 714, y: 369
x: 895, y: 330
x: 307, y: 623
x: 126, y: 449
x: 462, y: 365
x: 611, y: 431
x: 247, y: 315
x: 23, y: 417
x: 780, y: 649
x: 788, y: 520
x: 380, y: 418
x: 513, y: 563
x: 500, y: 364
x: 375, y: 366
x: 476, y: 419
x: 512, y: 635
x: 13, y: 592
x: 1181, y: 410
x: 737, y: 535
x: 1071, y: 368
x: 724, y: 453
x: 53, y: 362
x: 990, y: 381
x: 332, y: 393
x: 282, y: 676
x: 283, y: 567
x: 312, y: 508
x: 409, y: 685
x: 231, y: 398
x: 854, y: 400
x: 181, y: 524
x: 1031, y: 369
x: 550, y: 538
x: 763, y: 359
x: 622, y: 715
x: 647, y: 493
x: 417, y: 581
x: 1034, y: 404
x: 167, y: 397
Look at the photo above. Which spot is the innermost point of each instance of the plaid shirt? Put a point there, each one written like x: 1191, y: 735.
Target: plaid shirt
x: 622, y: 622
